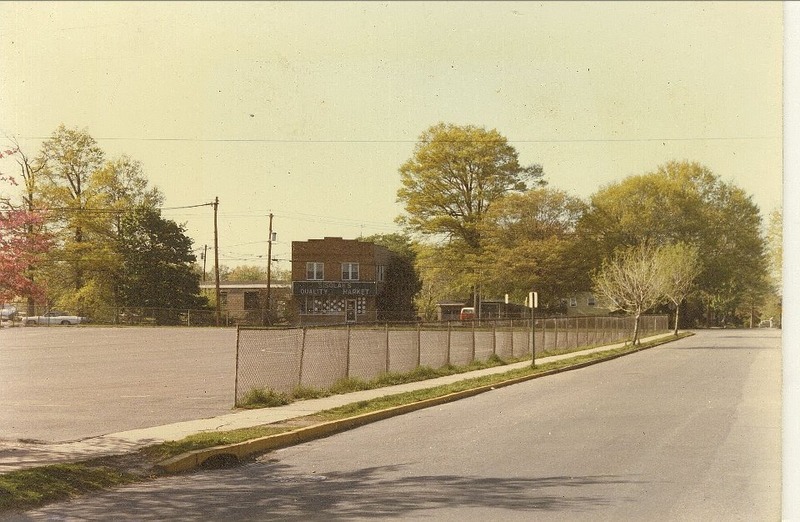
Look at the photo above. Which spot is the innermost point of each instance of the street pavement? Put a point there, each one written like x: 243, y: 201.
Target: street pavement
x: 16, y: 455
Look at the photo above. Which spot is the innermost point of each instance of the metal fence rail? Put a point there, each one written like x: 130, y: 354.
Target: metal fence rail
x: 283, y: 360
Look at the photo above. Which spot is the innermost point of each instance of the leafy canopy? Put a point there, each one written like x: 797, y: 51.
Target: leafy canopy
x: 454, y: 177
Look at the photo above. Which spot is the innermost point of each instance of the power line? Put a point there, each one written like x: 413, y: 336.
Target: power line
x: 343, y: 141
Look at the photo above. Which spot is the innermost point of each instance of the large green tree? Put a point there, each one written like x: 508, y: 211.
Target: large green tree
x: 85, y: 196
x: 453, y: 178
x: 70, y: 158
x: 157, y: 265
x: 531, y: 244
x: 684, y: 202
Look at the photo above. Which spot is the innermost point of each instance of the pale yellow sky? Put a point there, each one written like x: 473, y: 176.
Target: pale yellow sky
x: 307, y: 110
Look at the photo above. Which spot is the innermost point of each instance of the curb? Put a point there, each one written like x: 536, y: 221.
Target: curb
x: 241, y: 450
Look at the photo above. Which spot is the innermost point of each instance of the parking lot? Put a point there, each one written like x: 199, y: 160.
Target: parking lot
x: 64, y: 383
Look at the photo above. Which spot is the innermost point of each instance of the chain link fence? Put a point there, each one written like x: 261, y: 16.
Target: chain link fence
x: 284, y: 359
x: 142, y: 316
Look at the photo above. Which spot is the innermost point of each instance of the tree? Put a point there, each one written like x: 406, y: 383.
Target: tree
x: 21, y: 245
x: 774, y: 238
x: 245, y: 273
x: 455, y: 176
x: 531, y: 244
x: 122, y: 185
x: 680, y: 264
x: 396, y: 299
x: 86, y: 196
x: 775, y: 249
x: 38, y: 240
x: 438, y: 281
x: 632, y: 281
x: 157, y: 265
x: 684, y: 202
x: 71, y: 157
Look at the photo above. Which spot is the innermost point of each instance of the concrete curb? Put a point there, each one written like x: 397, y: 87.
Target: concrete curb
x: 241, y: 450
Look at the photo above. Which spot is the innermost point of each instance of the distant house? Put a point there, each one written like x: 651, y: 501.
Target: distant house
x: 245, y: 302
x: 582, y: 304
x: 337, y: 280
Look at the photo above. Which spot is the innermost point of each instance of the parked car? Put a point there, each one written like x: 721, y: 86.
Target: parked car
x: 8, y: 313
x: 467, y: 313
x: 54, y: 317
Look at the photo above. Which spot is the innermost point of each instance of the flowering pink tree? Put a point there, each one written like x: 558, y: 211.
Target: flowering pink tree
x: 22, y: 241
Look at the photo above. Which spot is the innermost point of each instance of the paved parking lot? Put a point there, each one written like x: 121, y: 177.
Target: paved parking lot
x: 68, y: 383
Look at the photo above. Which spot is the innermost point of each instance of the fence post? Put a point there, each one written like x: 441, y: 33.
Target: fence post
x: 419, y: 345
x: 555, y: 342
x: 512, y: 338
x: 347, y: 359
x: 387, y: 347
x: 302, y: 353
x: 472, y: 357
x: 236, y: 376
x: 494, y: 338
x: 449, y: 335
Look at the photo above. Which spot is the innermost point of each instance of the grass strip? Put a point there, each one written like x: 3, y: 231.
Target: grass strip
x: 29, y: 488
x: 210, y: 439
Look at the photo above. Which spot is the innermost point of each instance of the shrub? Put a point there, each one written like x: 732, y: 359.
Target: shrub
x: 264, y: 398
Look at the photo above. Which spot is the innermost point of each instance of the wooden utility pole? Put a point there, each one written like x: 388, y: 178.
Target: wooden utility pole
x: 216, y: 260
x: 269, y: 269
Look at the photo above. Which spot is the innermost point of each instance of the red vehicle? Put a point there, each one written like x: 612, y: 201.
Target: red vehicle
x: 467, y: 314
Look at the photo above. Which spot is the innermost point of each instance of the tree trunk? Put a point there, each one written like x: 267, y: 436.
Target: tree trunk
x: 677, y: 316
x: 636, y: 329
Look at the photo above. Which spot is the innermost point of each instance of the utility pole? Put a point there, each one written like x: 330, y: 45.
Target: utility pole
x: 216, y: 259
x: 269, y: 268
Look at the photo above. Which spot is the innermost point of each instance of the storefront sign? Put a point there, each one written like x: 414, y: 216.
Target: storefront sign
x: 355, y: 289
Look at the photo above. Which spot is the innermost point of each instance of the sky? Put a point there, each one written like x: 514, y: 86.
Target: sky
x: 307, y: 110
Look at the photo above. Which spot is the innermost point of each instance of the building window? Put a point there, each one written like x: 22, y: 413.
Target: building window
x: 591, y: 301
x: 223, y: 298
x: 381, y: 273
x: 349, y: 271
x: 315, y: 271
x: 251, y: 301
x: 573, y: 301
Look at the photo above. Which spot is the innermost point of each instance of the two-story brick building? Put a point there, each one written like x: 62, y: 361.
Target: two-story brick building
x: 337, y: 280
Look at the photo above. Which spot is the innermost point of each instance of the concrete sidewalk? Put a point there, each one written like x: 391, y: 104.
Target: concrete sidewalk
x: 21, y: 455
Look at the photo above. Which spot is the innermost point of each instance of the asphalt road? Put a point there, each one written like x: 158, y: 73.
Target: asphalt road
x: 687, y: 431
x: 64, y: 383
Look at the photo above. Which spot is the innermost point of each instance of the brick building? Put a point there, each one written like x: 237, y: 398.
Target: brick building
x: 337, y: 280
x: 245, y: 302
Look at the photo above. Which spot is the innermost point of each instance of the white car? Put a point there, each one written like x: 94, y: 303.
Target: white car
x: 54, y: 317
x: 8, y: 312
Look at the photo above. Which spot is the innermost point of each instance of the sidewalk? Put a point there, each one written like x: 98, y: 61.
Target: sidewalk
x: 20, y: 455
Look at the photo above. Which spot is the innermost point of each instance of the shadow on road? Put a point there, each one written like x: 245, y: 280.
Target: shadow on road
x: 269, y: 490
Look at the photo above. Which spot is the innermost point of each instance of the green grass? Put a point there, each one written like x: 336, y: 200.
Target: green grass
x: 265, y: 398
x: 210, y: 439
x: 34, y: 487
